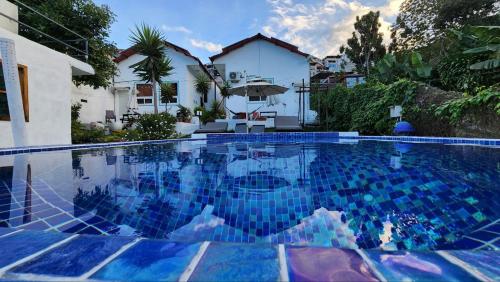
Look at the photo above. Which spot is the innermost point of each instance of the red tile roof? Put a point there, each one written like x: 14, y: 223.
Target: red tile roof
x: 258, y: 36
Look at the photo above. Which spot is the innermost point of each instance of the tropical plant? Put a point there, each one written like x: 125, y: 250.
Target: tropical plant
x: 184, y: 114
x: 365, y: 46
x: 149, y: 42
x: 202, y: 85
x: 454, y: 110
x: 215, y: 112
x: 388, y: 69
x: 487, y: 39
x: 84, y: 17
x: 167, y: 93
x: 75, y: 111
x: 155, y: 126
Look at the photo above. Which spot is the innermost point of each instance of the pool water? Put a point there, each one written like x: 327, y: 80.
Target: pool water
x: 349, y: 194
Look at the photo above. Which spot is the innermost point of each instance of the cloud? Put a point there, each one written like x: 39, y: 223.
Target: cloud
x: 320, y: 28
x: 209, y: 46
x: 181, y: 29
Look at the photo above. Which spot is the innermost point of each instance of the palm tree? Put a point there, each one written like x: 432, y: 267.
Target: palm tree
x: 202, y: 84
x: 167, y: 92
x: 224, y: 92
x: 150, y: 42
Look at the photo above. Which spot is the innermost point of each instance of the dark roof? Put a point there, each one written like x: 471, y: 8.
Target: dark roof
x: 280, y: 43
x: 124, y: 54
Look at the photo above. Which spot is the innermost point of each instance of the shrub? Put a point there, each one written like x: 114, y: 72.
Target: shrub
x: 215, y: 112
x: 75, y: 111
x: 364, y: 108
x: 454, y: 110
x: 154, y: 127
x: 81, y: 135
x: 184, y: 114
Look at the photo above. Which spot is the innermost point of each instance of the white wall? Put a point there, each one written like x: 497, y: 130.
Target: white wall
x: 10, y: 10
x: 98, y: 101
x: 187, y: 95
x: 49, y: 88
x: 267, y: 60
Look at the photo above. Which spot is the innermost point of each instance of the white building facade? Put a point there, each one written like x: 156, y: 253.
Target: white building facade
x: 45, y: 76
x: 131, y: 93
x: 272, y: 60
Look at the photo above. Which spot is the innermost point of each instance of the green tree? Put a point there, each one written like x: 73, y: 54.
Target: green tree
x: 365, y: 46
x: 84, y: 17
x: 422, y: 22
x: 149, y: 42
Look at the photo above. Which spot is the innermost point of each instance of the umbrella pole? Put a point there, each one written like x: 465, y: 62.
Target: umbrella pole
x: 246, y: 103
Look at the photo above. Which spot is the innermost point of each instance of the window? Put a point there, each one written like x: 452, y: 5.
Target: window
x: 261, y: 98
x: 257, y: 98
x: 145, y: 95
x: 23, y: 79
x: 174, y: 89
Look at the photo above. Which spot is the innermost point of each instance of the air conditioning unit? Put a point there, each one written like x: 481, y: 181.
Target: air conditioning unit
x: 235, y: 76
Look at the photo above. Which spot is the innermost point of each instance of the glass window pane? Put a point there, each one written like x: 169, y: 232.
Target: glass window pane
x: 4, y: 108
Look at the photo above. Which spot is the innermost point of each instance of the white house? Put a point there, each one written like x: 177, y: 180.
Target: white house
x: 45, y: 77
x: 338, y: 63
x: 270, y: 59
x: 131, y: 92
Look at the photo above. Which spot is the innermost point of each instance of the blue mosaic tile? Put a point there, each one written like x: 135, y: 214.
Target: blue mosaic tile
x: 416, y: 266
x: 485, y: 262
x: 493, y: 228
x: 238, y: 262
x: 484, y: 235
x: 5, y: 230
x: 150, y: 260
x: 22, y: 244
x: 74, y: 258
x: 326, y: 264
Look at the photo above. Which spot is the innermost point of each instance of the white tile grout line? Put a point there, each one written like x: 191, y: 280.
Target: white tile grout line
x: 194, y: 262
x: 11, y: 233
x: 283, y: 265
x: 465, y: 266
x: 370, y: 264
x: 6, y: 268
x: 108, y: 259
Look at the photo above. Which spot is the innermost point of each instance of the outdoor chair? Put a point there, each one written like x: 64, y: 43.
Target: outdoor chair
x: 257, y: 129
x: 240, y: 128
x: 213, y: 127
x: 287, y: 123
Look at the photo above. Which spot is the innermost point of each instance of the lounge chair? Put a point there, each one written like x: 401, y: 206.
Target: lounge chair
x: 287, y: 123
x: 213, y: 127
x: 240, y: 128
x: 257, y: 129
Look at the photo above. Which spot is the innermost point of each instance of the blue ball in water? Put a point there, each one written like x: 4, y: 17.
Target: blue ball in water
x: 403, y: 127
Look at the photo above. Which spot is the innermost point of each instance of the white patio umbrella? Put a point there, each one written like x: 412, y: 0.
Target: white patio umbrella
x: 256, y: 88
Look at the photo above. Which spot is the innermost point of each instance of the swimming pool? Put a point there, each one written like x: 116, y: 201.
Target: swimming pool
x: 345, y: 193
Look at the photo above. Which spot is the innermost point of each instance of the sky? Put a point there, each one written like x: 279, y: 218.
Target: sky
x: 317, y: 27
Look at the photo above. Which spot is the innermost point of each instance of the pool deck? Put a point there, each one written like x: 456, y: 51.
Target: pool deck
x: 54, y: 256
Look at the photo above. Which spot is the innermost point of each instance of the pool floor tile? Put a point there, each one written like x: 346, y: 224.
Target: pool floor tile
x: 326, y: 264
x: 74, y: 258
x: 486, y: 262
x: 238, y: 262
x: 150, y: 260
x: 22, y: 244
x: 416, y: 266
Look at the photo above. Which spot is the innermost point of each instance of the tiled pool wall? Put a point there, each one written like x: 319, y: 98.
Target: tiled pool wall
x: 50, y: 256
x: 262, y: 137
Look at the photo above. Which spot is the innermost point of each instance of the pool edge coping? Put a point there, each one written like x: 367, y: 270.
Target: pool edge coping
x: 268, y: 136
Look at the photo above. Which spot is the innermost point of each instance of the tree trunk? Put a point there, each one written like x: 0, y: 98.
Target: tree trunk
x: 155, y: 97
x: 155, y: 94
